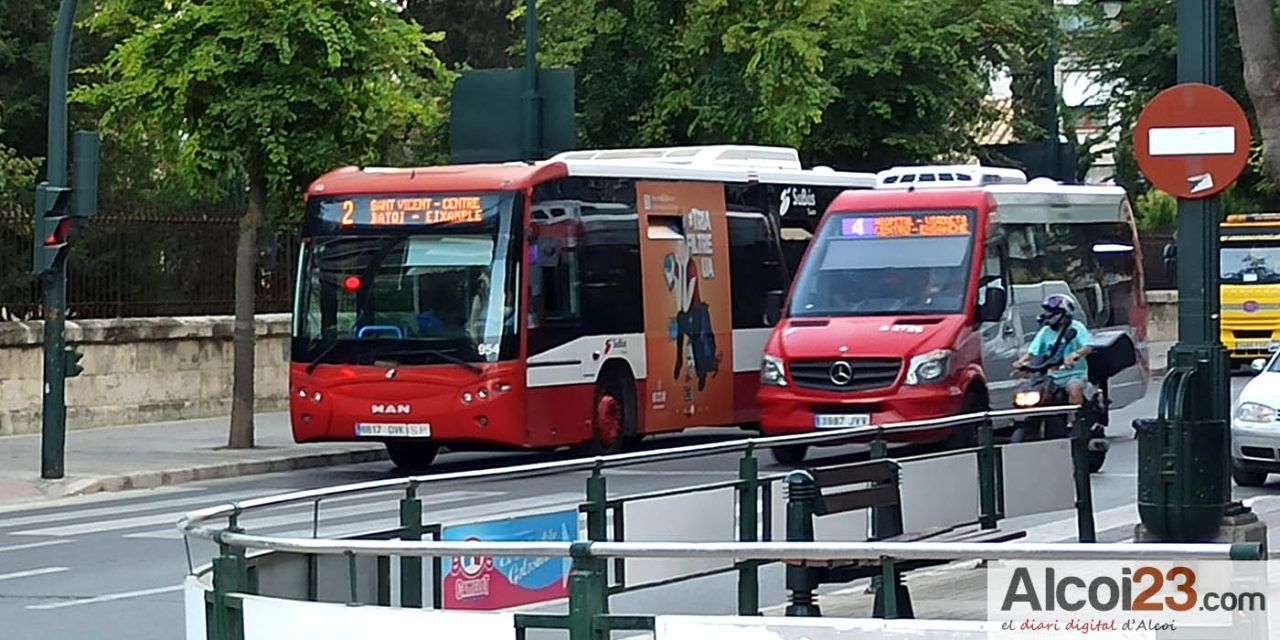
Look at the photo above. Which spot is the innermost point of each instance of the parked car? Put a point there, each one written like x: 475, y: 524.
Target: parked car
x: 1255, y: 439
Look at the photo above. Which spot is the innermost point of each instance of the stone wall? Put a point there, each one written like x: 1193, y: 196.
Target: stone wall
x: 1162, y: 316
x: 139, y: 370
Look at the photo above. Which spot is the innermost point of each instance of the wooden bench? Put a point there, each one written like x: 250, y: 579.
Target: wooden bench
x: 827, y: 491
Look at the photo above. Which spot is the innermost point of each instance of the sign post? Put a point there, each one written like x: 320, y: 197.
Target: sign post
x: 1193, y: 140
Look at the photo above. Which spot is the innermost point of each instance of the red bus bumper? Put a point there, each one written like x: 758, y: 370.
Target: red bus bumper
x: 788, y: 410
x: 326, y: 405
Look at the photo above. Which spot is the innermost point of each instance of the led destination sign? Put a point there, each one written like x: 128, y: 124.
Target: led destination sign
x: 905, y: 225
x: 400, y: 211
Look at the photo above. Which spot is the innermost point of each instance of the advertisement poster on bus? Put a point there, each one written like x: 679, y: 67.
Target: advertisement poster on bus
x: 688, y: 325
x: 487, y: 584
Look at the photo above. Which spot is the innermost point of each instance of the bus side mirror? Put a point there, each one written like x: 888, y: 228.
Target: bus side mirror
x: 992, y: 308
x: 1171, y: 263
x: 773, y: 308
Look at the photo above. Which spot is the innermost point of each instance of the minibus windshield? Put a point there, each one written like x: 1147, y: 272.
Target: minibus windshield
x: 886, y: 264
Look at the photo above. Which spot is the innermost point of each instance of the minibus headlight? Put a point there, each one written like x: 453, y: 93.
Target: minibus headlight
x: 773, y: 372
x: 929, y: 367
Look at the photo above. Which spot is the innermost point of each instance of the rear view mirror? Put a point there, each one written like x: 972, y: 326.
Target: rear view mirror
x: 1258, y: 365
x: 992, y: 307
x: 773, y: 308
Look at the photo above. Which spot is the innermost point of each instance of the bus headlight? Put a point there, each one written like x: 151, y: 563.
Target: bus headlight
x: 929, y: 367
x: 773, y: 372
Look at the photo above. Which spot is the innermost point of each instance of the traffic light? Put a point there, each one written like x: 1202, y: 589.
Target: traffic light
x: 53, y: 226
x: 71, y: 360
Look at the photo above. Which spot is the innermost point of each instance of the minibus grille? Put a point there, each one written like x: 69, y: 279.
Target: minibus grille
x: 863, y: 374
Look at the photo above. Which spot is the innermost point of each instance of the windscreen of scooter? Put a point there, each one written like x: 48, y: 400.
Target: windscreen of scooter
x: 895, y: 263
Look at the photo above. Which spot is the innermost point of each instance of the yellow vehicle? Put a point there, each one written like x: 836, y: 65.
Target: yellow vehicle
x: 1250, y: 281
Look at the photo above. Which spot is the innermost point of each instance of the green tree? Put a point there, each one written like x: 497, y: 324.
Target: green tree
x: 265, y: 94
x: 854, y: 82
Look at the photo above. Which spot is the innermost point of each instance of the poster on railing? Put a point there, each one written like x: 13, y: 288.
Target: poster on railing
x: 481, y: 583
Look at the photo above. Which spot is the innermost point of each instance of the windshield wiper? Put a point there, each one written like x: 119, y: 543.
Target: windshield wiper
x: 432, y: 352
x: 329, y: 345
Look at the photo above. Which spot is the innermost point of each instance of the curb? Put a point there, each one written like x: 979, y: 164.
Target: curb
x: 152, y: 479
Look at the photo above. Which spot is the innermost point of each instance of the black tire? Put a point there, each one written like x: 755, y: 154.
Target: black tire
x: 613, y: 386
x: 412, y: 456
x: 1247, y: 478
x: 966, y: 436
x: 789, y: 455
x: 1055, y: 428
x: 1096, y: 460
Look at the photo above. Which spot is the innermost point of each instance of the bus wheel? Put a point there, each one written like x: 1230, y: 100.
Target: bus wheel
x: 412, y: 456
x: 790, y: 454
x: 611, y: 418
x: 966, y: 436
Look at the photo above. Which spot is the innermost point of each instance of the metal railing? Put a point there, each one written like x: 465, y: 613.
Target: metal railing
x: 590, y: 572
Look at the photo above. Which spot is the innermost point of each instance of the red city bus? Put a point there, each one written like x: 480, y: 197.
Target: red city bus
x: 574, y: 301
x: 914, y: 304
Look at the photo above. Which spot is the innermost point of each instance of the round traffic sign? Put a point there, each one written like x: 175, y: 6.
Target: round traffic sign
x: 1192, y: 140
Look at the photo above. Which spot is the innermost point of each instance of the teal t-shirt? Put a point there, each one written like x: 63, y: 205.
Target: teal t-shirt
x: 1043, y: 343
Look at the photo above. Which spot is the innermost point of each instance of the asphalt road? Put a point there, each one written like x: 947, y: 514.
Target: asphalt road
x: 110, y: 565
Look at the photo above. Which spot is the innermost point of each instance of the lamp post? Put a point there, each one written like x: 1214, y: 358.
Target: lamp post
x: 1051, y: 95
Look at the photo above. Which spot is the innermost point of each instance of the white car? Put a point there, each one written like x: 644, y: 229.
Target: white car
x: 1255, y: 427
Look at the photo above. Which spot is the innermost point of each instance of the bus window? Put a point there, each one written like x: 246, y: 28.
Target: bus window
x: 1096, y: 261
x: 755, y: 265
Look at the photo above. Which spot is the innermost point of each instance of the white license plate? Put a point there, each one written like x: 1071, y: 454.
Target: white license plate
x: 843, y: 421
x: 384, y: 430
x: 1253, y: 345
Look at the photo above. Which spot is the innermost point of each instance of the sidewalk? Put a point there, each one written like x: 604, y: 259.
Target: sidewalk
x: 152, y: 455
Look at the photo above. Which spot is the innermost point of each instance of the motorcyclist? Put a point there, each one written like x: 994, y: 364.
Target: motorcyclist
x: 1062, y: 335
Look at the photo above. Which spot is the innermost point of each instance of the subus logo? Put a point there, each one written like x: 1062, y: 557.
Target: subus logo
x: 390, y: 409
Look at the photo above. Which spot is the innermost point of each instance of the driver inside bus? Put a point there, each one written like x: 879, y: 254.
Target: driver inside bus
x: 1062, y: 335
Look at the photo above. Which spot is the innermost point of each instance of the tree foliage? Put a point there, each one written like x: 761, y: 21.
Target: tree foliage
x: 856, y: 82
x: 290, y: 88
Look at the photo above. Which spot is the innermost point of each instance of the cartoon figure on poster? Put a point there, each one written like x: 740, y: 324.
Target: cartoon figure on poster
x: 692, y: 319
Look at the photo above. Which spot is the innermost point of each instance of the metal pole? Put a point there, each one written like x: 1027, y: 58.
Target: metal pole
x: 748, y: 501
x: 532, y: 98
x: 1051, y: 96
x: 54, y: 410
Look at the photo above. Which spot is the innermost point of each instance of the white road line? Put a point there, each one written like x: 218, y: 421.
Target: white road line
x: 98, y: 498
x: 205, y: 500
x: 32, y: 573
x: 34, y: 545
x: 327, y: 514
x: 124, y: 595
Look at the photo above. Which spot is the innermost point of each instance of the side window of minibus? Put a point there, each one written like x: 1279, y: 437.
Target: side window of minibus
x: 994, y: 275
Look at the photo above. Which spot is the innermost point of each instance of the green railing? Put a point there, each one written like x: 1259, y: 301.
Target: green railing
x: 589, y: 583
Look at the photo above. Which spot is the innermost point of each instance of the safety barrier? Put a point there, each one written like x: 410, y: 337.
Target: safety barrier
x: 620, y: 554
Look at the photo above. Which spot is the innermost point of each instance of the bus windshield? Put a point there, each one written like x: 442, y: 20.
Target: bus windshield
x: 1251, y: 265
x: 391, y: 290
x: 882, y: 264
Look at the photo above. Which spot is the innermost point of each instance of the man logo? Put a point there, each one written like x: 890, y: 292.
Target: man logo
x: 390, y: 409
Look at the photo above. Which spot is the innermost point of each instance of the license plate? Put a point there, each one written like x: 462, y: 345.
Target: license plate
x: 843, y: 421
x: 384, y: 430
x: 1253, y: 345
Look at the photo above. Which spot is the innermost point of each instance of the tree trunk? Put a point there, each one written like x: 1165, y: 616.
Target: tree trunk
x: 242, y: 392
x: 1260, y: 48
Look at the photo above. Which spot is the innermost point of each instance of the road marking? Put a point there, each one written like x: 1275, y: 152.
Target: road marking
x: 124, y: 595
x: 206, y: 500
x: 34, y: 545
x: 97, y: 498
x: 327, y: 514
x: 30, y: 573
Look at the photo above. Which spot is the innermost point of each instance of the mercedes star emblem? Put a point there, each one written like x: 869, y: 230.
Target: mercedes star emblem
x: 841, y: 373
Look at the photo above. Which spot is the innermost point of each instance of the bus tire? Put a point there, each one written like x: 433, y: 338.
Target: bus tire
x: 613, y: 416
x: 966, y: 436
x: 410, y: 455
x: 791, y: 454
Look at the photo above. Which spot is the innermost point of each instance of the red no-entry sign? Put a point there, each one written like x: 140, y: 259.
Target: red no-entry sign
x: 1192, y: 140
